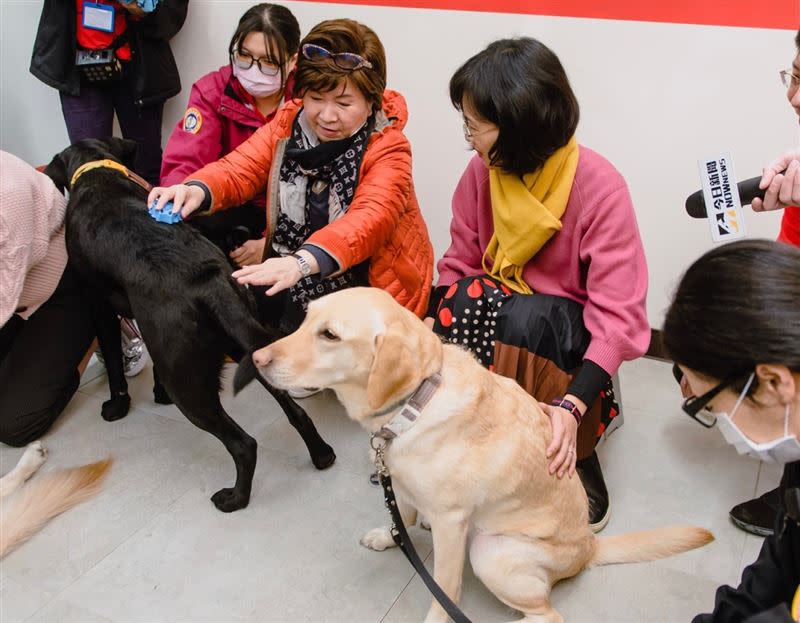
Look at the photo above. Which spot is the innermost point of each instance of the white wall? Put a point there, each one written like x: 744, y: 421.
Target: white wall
x: 654, y: 99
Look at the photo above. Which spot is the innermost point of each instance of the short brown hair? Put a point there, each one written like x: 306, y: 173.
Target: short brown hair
x: 337, y: 36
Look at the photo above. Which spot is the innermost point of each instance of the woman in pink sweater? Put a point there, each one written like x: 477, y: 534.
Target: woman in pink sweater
x: 45, y: 319
x: 545, y: 279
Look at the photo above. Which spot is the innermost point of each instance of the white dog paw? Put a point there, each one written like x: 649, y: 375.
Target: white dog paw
x: 33, y: 458
x: 425, y: 524
x: 378, y: 539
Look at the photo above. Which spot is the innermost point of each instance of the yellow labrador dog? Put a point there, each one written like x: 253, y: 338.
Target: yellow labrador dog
x: 473, y: 463
x: 42, y: 500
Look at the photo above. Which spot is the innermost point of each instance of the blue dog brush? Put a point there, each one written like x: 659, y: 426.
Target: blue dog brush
x: 166, y: 215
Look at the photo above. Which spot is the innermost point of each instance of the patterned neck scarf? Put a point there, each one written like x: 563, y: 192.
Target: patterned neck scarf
x: 316, y: 174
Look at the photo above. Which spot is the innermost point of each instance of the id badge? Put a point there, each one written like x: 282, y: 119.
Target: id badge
x: 98, y: 16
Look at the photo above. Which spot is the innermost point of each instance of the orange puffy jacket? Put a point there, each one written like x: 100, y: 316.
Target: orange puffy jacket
x: 382, y: 224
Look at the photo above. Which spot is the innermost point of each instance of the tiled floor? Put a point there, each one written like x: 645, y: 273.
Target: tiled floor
x: 152, y: 547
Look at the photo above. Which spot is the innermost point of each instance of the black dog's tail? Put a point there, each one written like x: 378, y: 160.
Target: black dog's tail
x: 245, y: 372
x: 234, y: 317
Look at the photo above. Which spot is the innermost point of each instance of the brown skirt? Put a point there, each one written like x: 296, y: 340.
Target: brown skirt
x: 538, y: 340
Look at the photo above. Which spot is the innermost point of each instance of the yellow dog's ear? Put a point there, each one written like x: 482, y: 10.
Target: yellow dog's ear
x: 405, y: 356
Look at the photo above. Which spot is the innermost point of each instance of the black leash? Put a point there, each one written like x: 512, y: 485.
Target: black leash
x: 403, y: 541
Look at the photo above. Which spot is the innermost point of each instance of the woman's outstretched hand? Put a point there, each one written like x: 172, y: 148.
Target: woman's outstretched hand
x: 185, y: 199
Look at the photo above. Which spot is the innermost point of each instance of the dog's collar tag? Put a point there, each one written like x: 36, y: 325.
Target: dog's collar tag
x: 411, y: 408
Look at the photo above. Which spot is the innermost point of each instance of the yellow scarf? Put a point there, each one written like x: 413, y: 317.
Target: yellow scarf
x: 526, y: 213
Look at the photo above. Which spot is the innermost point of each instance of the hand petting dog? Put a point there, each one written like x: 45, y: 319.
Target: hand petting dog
x: 562, y: 446
x: 185, y: 199
x: 278, y: 272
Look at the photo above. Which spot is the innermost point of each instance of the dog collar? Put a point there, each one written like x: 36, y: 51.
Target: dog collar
x: 411, y: 408
x: 109, y: 164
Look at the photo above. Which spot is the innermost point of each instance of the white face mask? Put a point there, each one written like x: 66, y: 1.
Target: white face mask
x: 782, y: 450
x: 256, y: 83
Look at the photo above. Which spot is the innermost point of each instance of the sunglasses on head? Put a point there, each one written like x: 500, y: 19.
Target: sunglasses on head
x: 343, y: 60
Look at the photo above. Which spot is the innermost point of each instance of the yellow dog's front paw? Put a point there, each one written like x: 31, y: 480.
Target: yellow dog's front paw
x: 378, y: 539
x: 33, y: 458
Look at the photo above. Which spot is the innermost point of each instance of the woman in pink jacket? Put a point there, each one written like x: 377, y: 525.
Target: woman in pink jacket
x: 45, y: 320
x: 225, y: 108
x: 545, y: 278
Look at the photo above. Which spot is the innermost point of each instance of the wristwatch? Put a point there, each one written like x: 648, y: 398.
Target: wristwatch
x: 302, y: 263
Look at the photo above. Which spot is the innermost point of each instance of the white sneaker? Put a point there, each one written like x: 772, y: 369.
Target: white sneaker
x: 305, y: 392
x: 134, y: 356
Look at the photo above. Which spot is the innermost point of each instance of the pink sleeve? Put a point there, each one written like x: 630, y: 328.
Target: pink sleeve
x: 463, y: 257
x: 616, y: 282
x: 187, y: 152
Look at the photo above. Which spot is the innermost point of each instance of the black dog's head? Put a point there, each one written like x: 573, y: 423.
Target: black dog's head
x: 63, y: 165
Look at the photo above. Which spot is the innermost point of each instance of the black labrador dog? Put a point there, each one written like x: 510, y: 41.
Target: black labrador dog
x: 178, y: 287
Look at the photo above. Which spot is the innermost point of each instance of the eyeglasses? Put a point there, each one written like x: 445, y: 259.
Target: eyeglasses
x: 467, y: 131
x: 469, y: 134
x: 245, y: 61
x: 789, y: 79
x: 694, y: 406
x: 343, y: 60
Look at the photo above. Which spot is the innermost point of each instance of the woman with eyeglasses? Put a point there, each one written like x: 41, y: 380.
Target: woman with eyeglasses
x: 545, y: 278
x: 781, y: 180
x: 781, y: 177
x: 734, y: 330
x: 336, y: 171
x: 225, y: 108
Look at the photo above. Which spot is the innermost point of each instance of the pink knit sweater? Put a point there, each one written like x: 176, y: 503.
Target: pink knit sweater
x: 32, y: 250
x: 596, y: 259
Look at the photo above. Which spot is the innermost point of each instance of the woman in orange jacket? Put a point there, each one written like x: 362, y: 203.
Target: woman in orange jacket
x: 336, y: 169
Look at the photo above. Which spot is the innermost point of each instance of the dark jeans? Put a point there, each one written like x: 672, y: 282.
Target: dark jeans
x: 91, y: 115
x: 39, y: 362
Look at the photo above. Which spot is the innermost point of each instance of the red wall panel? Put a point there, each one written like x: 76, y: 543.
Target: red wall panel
x: 782, y: 14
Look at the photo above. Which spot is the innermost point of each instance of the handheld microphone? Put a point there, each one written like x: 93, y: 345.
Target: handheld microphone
x: 748, y: 190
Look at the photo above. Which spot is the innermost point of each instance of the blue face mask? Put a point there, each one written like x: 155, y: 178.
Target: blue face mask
x: 785, y: 449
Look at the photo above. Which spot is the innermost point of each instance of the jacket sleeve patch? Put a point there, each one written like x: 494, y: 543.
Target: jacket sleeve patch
x: 192, y: 120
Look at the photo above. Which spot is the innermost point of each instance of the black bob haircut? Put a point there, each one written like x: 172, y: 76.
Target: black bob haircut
x: 520, y: 86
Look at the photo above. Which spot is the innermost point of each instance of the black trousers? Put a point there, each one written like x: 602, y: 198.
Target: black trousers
x: 39, y: 362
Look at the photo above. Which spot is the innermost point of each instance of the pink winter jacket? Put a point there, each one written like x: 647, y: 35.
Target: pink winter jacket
x: 597, y: 258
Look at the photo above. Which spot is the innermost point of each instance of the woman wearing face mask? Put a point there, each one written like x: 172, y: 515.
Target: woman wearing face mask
x: 734, y: 330
x: 336, y: 169
x: 226, y: 107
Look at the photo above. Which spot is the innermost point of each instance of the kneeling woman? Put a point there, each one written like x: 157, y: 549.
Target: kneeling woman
x: 545, y: 278
x: 341, y: 207
x: 225, y: 108
x: 45, y: 320
x: 734, y: 331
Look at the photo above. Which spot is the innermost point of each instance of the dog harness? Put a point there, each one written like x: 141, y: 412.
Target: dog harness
x: 411, y: 409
